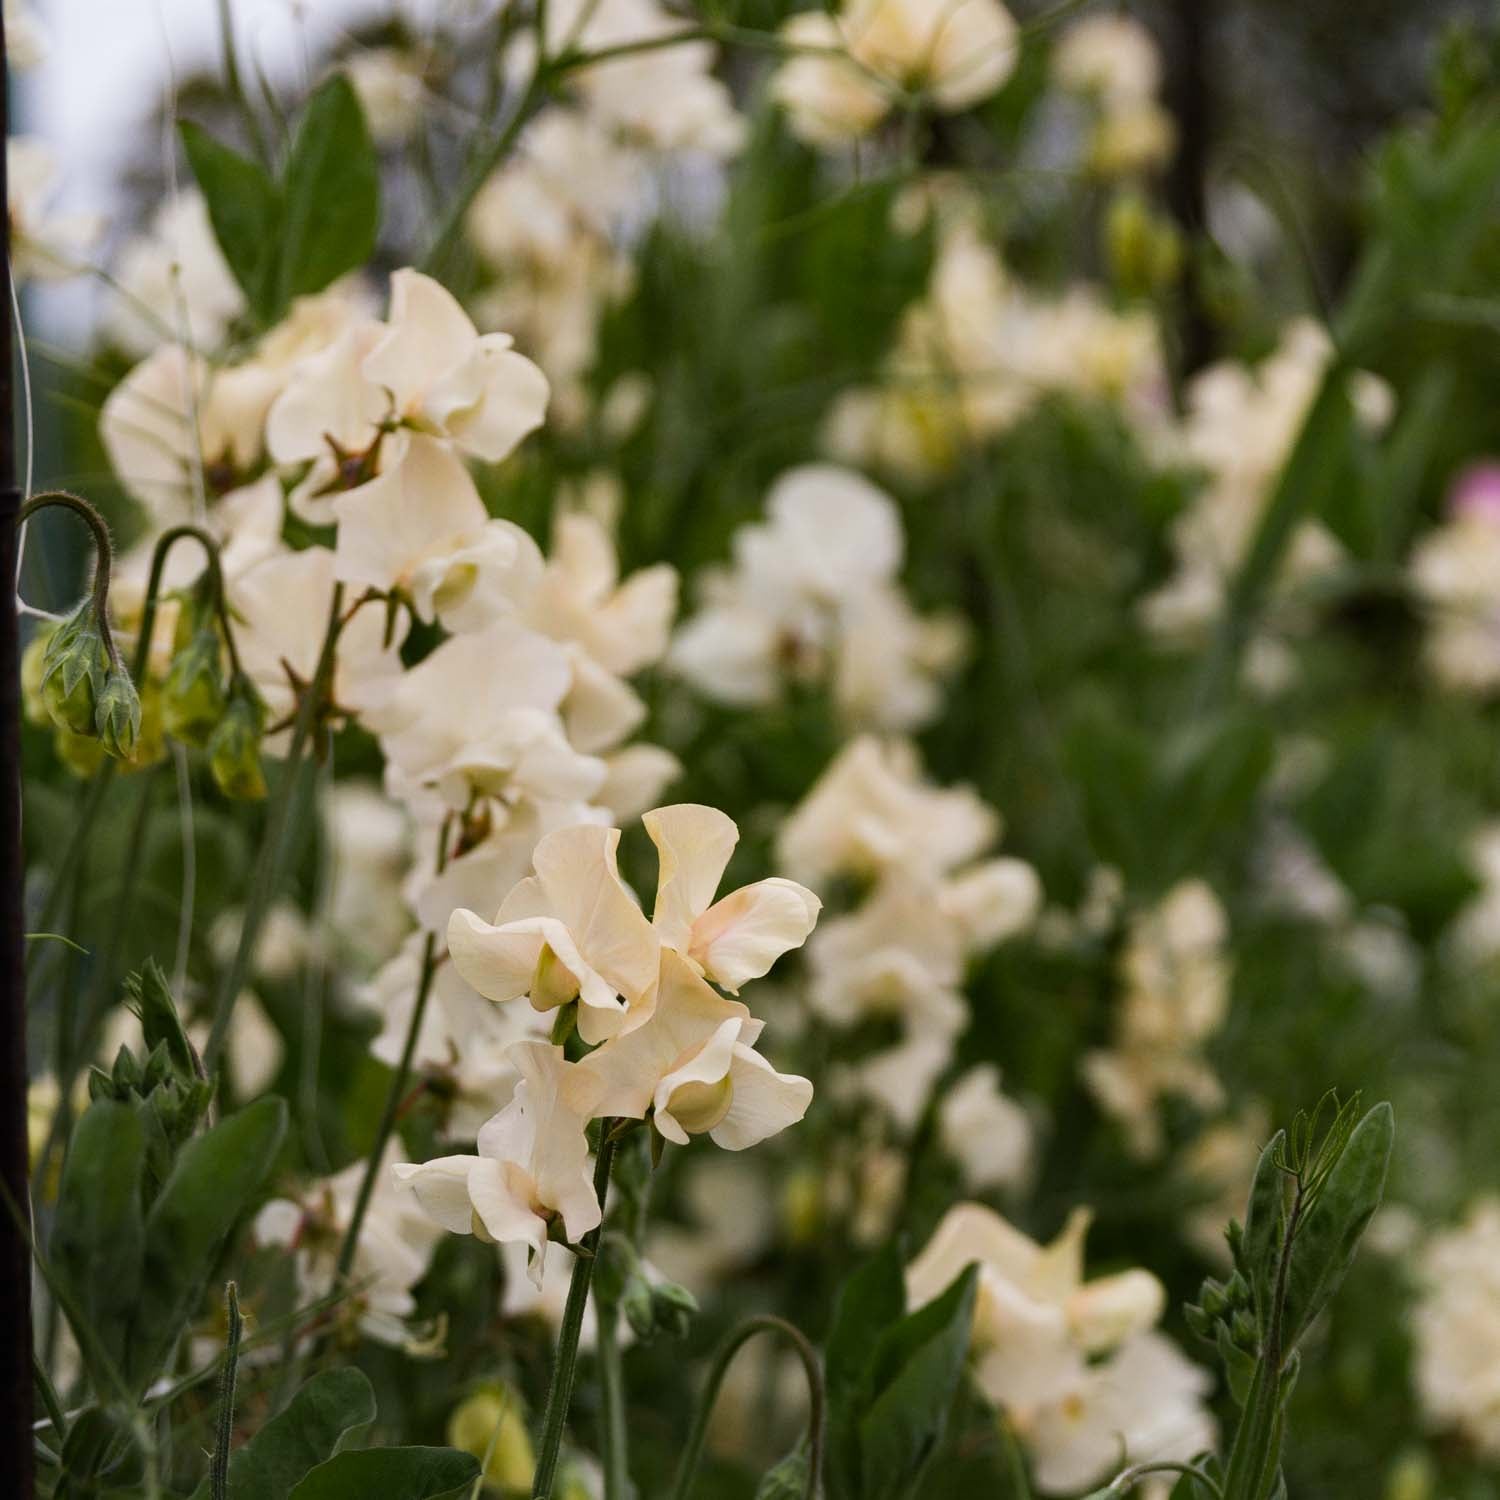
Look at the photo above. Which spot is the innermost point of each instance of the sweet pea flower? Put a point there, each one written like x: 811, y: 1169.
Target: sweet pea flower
x: 739, y: 937
x: 692, y: 1064
x: 532, y: 1166
x: 421, y: 528
x: 570, y: 932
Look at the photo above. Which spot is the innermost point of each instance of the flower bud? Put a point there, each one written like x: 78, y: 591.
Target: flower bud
x: 639, y: 1307
x: 674, y: 1309
x: 74, y: 665
x: 1144, y: 251
x: 234, y: 749
x: 193, y: 693
x: 489, y: 1424
x: 117, y: 714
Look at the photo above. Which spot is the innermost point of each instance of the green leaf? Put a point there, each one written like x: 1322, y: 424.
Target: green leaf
x: 1263, y: 1226
x: 98, y: 1238
x: 915, y: 1372
x: 1329, y: 1234
x: 331, y: 194
x: 100, y: 1456
x: 390, y: 1474
x: 873, y: 1298
x: 244, y: 207
x: 213, y: 1184
x: 308, y: 1433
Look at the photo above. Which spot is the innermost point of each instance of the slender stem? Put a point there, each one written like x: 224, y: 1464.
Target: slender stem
x: 219, y: 1475
x: 397, y: 1091
x: 1127, y: 1479
x: 236, y: 83
x: 268, y: 869
x: 733, y: 1342
x: 103, y: 555
x: 51, y: 1401
x: 612, y: 1388
x: 164, y: 545
x: 565, y: 1364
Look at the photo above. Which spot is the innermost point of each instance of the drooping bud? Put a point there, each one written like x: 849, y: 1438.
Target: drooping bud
x: 193, y: 699
x: 117, y: 714
x: 74, y: 666
x: 234, y: 747
x: 33, y: 667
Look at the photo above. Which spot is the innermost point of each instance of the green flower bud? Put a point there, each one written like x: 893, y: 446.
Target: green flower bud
x: 117, y: 714
x: 193, y: 699
x: 74, y: 666
x: 787, y: 1481
x: 639, y: 1307
x: 675, y: 1308
x: 234, y: 749
x: 1144, y: 251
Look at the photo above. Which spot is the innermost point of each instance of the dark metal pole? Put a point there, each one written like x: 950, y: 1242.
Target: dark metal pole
x: 16, y: 1475
x: 1189, y: 96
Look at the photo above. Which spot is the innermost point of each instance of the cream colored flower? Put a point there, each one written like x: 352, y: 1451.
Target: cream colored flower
x: 986, y: 1132
x: 420, y: 528
x: 693, y: 1066
x: 871, y: 809
x: 622, y: 626
x: 734, y: 939
x: 44, y: 244
x: 956, y: 52
x: 1081, y: 1377
x: 532, y: 1166
x: 571, y: 931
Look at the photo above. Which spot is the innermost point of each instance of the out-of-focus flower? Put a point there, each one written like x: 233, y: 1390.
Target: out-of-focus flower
x: 813, y: 594
x: 1456, y: 1326
x: 44, y: 245
x: 1114, y: 63
x: 391, y: 92
x: 986, y: 1132
x: 26, y: 42
x: 1454, y: 573
x: 1175, y: 975
x: 175, y: 285
x: 1083, y: 1379
x: 847, y: 70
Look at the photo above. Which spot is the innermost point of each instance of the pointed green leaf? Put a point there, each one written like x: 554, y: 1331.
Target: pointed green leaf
x: 1330, y: 1232
x: 390, y: 1474
x: 213, y: 1184
x: 331, y: 193
x: 98, y: 1236
x: 244, y: 207
x: 1261, y: 1243
x: 308, y: 1433
x: 915, y: 1371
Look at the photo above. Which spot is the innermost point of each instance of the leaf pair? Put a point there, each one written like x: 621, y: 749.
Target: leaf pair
x: 298, y: 1454
x: 892, y: 1376
x: 292, y: 237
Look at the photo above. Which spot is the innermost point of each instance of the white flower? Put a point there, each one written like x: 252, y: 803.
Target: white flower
x: 571, y: 931
x: 957, y: 53
x: 421, y: 528
x: 664, y: 96
x: 26, y: 43
x: 622, y: 626
x: 870, y: 810
x: 532, y: 1165
x: 174, y: 282
x: 389, y: 83
x: 1083, y: 1381
x: 739, y: 937
x: 987, y: 1133
x: 693, y: 1062
x: 1456, y: 1325
x: 282, y: 607
x: 44, y: 244
x: 479, y: 715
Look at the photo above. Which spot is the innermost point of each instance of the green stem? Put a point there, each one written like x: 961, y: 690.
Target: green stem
x: 51, y: 1402
x: 268, y: 868
x: 219, y: 1476
x: 565, y: 1364
x: 164, y: 545
x: 733, y: 1342
x: 103, y: 554
x: 612, y: 1389
x: 1124, y: 1481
